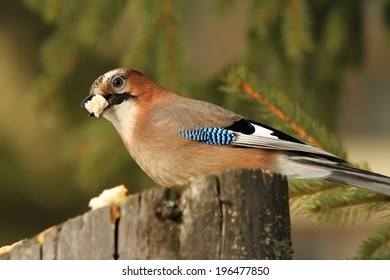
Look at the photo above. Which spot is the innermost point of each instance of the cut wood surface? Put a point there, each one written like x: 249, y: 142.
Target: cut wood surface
x: 238, y: 214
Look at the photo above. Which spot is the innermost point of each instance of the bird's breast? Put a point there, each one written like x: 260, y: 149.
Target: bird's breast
x: 172, y: 160
x: 160, y: 149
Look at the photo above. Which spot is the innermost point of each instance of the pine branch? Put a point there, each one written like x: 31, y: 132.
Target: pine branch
x: 300, y: 188
x: 377, y: 245
x: 326, y: 201
x: 302, y: 193
x: 344, y: 204
x: 143, y: 40
x: 296, y: 31
x: 239, y: 80
x: 60, y: 57
x: 156, y: 46
x: 298, y: 129
x: 53, y: 11
x: 169, y: 52
x: 60, y: 53
x: 329, y: 202
x: 267, y: 11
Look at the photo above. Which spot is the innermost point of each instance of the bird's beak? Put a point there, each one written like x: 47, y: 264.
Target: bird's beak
x: 107, y: 97
x: 112, y: 99
x: 89, y: 97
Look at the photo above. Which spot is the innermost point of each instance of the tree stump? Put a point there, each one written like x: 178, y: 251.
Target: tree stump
x: 238, y: 214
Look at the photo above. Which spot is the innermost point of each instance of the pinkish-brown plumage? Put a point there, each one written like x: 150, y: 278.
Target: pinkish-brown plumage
x: 151, y: 121
x: 151, y: 134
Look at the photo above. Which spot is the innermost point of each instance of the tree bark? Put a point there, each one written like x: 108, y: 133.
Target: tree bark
x: 238, y: 214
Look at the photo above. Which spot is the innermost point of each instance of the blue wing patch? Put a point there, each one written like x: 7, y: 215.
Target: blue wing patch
x: 210, y: 135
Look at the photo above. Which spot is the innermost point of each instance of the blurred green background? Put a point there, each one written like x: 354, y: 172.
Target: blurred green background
x: 331, y: 57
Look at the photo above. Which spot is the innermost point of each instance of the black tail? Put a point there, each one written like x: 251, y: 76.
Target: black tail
x: 343, y: 174
x: 360, y: 178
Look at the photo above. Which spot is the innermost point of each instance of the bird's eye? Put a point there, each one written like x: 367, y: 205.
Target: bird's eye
x: 117, y: 82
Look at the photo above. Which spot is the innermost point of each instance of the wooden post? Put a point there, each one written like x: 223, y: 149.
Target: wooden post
x: 239, y: 214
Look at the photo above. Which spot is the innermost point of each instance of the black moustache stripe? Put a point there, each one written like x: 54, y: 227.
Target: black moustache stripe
x: 118, y: 98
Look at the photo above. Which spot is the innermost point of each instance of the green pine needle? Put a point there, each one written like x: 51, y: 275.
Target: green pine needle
x: 296, y: 31
x: 325, y: 201
x: 377, y: 245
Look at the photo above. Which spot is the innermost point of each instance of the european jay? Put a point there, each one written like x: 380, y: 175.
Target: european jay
x: 173, y: 138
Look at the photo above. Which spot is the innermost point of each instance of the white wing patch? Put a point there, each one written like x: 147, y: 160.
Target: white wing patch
x: 263, y: 132
x: 263, y: 138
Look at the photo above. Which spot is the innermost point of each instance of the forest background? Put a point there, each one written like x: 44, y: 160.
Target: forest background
x: 324, y: 64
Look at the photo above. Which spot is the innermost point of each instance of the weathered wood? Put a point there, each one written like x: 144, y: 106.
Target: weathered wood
x: 90, y: 236
x: 256, y: 220
x: 142, y: 235
x: 201, y: 225
x: 49, y: 243
x: 241, y: 214
x: 27, y: 250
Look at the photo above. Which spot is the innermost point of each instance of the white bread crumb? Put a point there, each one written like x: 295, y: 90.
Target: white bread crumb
x: 96, y: 105
x: 108, y: 197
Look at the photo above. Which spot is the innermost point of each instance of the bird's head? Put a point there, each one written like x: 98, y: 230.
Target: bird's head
x: 112, y: 90
x: 125, y: 97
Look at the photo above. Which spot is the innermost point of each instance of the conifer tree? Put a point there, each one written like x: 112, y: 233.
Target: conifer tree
x: 299, y: 48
